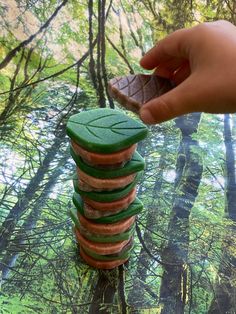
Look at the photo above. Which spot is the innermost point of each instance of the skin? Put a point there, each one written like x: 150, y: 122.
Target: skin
x: 202, y: 62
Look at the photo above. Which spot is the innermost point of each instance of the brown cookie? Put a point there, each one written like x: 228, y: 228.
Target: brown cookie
x: 133, y: 91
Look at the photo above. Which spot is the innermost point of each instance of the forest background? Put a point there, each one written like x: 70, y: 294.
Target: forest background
x: 56, y: 58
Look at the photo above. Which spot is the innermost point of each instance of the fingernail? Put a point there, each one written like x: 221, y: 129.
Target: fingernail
x: 146, y: 116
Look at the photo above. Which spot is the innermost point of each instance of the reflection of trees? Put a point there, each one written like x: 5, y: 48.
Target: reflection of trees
x: 16, y: 212
x: 22, y: 237
x: 150, y: 245
x: 17, y: 98
x: 98, y: 71
x: 225, y: 289
x: 174, y: 256
x: 12, y: 53
x: 173, y: 291
x: 31, y: 254
x: 38, y: 256
x: 136, y: 35
x: 19, y: 234
x: 36, y: 185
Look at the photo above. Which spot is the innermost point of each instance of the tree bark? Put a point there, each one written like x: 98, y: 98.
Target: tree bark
x: 91, y: 47
x: 104, y: 292
x: 100, y: 52
x: 121, y: 291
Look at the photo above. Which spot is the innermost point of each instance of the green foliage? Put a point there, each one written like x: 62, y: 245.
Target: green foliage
x: 14, y: 305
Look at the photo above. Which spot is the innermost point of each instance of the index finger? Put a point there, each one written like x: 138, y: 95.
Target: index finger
x: 174, y: 45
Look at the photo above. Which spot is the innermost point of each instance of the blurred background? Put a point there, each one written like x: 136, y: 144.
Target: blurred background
x: 56, y: 58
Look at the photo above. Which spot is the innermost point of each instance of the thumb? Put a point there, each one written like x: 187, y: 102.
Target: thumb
x: 181, y: 100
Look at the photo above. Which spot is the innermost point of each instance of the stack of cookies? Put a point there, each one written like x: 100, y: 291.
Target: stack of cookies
x: 103, y: 146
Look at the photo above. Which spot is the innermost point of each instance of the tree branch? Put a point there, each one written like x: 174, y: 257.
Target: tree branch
x: 24, y: 43
x: 121, y: 55
x: 79, y: 62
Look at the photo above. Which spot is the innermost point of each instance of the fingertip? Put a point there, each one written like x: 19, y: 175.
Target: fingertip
x: 145, y: 64
x: 146, y: 116
x: 149, y: 60
x: 142, y: 64
x: 161, y: 109
x: 156, y: 111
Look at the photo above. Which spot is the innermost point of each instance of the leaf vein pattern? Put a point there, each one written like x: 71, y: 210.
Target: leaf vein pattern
x: 99, y: 118
x: 91, y: 132
x: 108, y: 127
x: 117, y: 132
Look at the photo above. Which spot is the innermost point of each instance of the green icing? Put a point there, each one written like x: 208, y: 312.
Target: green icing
x: 134, y: 208
x: 134, y: 165
x: 105, y: 130
x: 108, y: 196
x: 73, y: 215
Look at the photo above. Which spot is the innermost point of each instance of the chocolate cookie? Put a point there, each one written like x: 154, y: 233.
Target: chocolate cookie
x: 133, y: 91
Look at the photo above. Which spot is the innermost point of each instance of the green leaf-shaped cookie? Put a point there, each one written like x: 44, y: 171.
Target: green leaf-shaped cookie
x: 102, y: 238
x: 125, y: 253
x: 134, y: 208
x: 108, y: 196
x: 134, y: 165
x: 105, y: 130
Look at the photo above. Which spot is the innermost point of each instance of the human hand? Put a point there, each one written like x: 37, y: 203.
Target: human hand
x: 202, y: 62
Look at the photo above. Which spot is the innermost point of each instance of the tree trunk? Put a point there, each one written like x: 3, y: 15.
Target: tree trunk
x: 103, y: 51
x: 135, y: 297
x: 121, y: 291
x: 91, y: 47
x: 100, y: 52
x: 230, y: 184
x: 225, y: 290
x: 104, y: 292
x: 173, y: 290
